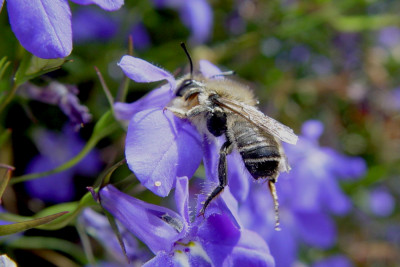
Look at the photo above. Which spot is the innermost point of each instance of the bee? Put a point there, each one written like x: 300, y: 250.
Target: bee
x: 224, y: 107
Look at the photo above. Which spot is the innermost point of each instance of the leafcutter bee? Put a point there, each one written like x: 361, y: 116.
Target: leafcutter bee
x: 224, y: 107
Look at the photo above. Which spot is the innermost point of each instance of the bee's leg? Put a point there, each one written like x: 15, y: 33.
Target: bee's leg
x: 197, y: 110
x: 180, y: 113
x: 222, y: 177
x: 272, y: 189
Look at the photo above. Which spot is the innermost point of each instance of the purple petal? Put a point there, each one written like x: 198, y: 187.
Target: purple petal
x: 334, y: 261
x: 197, y: 16
x: 332, y: 196
x: 157, y: 98
x: 161, y: 147
x: 109, y: 5
x: 227, y: 246
x: 312, y: 129
x: 144, y: 220
x: 54, y: 188
x: 316, y: 228
x: 283, y: 247
x: 182, y: 197
x: 43, y: 27
x: 99, y: 227
x: 162, y: 259
x: 140, y: 36
x: 381, y: 202
x: 208, y: 69
x: 143, y: 72
x: 93, y: 25
x: 239, y: 177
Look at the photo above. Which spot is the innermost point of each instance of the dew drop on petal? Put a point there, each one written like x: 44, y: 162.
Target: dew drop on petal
x: 157, y: 183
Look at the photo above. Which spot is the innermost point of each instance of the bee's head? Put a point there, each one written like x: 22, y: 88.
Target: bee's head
x: 186, y: 85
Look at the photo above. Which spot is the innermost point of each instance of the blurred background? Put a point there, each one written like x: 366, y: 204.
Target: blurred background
x: 335, y: 62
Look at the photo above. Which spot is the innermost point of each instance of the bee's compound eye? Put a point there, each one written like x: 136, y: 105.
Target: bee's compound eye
x: 183, y: 87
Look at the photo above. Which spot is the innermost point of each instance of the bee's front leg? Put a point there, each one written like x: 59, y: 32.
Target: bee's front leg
x: 222, y: 175
x: 180, y: 113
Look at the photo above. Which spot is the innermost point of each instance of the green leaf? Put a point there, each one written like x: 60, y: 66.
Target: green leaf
x: 50, y: 243
x: 32, y: 67
x: 5, y: 137
x: 73, y: 209
x: 362, y: 23
x: 5, y: 175
x: 3, y: 66
x: 22, y: 226
x: 105, y: 126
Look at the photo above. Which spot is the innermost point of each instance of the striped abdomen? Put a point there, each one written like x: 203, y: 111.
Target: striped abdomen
x: 259, y: 150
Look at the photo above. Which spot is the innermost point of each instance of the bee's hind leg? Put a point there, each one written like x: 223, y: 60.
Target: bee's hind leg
x: 222, y: 175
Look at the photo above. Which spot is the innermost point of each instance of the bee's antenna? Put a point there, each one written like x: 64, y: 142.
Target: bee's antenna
x: 190, y: 59
x: 272, y: 188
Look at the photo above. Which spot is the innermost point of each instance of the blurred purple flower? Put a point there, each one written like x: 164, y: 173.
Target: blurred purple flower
x: 140, y: 36
x: 306, y: 195
x: 334, y: 261
x: 99, y: 228
x: 156, y: 137
x: 349, y: 44
x: 56, y: 149
x: 43, y: 27
x: 389, y: 37
x: 64, y: 96
x: 195, y: 14
x: 90, y: 24
x: 300, y: 54
x: 176, y: 241
x: 381, y: 202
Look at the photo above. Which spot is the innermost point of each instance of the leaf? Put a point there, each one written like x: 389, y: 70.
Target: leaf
x: 50, y: 243
x: 32, y: 67
x: 22, y: 226
x: 4, y: 178
x: 362, y: 23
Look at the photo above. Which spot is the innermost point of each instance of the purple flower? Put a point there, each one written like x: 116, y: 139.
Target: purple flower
x: 334, y: 261
x: 307, y: 196
x: 90, y: 24
x: 389, y: 37
x: 56, y: 149
x: 177, y: 241
x: 381, y: 202
x: 43, y: 27
x: 99, y: 228
x: 159, y: 146
x: 195, y: 14
x: 65, y: 96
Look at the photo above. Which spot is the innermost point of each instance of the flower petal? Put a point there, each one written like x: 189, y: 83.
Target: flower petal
x: 43, y: 27
x: 143, y: 72
x: 334, y: 261
x: 109, y: 5
x: 162, y: 259
x: 157, y: 98
x: 182, y: 197
x: 208, y: 69
x: 146, y: 221
x: 93, y: 24
x: 228, y: 246
x: 99, y: 227
x: 197, y: 16
x: 316, y: 228
x: 56, y: 188
x: 161, y: 147
x: 283, y: 247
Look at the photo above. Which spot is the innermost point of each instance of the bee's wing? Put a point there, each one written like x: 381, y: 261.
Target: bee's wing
x: 259, y: 119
